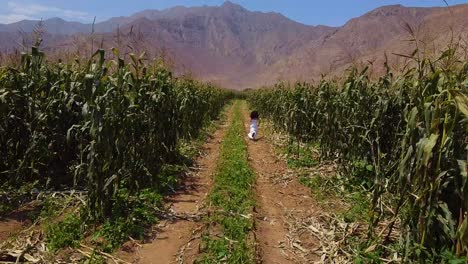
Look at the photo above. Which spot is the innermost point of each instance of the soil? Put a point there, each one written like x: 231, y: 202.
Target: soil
x: 175, y: 240
x: 9, y: 227
x: 17, y: 220
x: 275, y: 202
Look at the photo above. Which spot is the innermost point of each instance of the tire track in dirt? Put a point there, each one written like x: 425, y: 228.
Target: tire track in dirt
x: 276, y: 202
x: 175, y: 239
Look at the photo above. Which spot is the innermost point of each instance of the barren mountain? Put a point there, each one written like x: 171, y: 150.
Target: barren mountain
x: 386, y: 30
x: 237, y: 48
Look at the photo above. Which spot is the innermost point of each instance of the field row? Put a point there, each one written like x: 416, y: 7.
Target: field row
x: 402, y: 138
x: 110, y: 133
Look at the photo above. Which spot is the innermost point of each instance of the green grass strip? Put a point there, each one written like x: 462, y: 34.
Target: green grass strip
x: 228, y: 237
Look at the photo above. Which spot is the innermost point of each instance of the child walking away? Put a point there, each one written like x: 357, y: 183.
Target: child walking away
x: 253, y: 125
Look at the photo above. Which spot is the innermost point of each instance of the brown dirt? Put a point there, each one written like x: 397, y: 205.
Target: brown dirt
x: 9, y: 227
x: 16, y: 221
x: 174, y: 240
x: 275, y: 203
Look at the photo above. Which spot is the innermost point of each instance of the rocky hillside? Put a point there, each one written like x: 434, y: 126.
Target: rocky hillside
x: 239, y: 48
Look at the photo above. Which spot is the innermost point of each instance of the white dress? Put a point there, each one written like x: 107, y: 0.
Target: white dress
x: 253, y: 128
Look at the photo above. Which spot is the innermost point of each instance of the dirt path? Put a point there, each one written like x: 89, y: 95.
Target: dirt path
x: 17, y: 220
x: 8, y: 227
x: 275, y: 204
x: 174, y: 241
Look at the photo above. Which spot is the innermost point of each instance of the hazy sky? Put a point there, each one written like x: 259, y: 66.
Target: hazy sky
x: 311, y: 12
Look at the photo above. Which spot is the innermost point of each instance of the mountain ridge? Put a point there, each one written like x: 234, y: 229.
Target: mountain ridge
x: 238, y: 48
x: 4, y: 26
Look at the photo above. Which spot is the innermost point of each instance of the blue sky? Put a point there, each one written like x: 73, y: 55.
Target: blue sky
x: 311, y: 12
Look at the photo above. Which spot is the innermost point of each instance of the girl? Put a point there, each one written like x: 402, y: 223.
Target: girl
x: 253, y: 125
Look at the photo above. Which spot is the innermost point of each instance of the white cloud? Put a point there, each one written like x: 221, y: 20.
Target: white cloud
x: 14, y: 11
x: 11, y: 18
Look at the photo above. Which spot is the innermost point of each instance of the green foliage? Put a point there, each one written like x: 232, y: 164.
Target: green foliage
x: 51, y: 207
x: 359, y: 207
x: 300, y: 156
x: 12, y: 198
x: 401, y: 137
x: 449, y: 258
x: 362, y: 174
x: 328, y: 190
x: 95, y: 258
x: 131, y: 216
x: 232, y: 199
x: 67, y: 232
x: 100, y: 125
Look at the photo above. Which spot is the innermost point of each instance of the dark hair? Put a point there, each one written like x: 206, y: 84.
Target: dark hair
x: 254, y: 115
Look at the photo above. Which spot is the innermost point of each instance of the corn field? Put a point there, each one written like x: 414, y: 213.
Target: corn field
x: 99, y: 125
x: 410, y: 129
